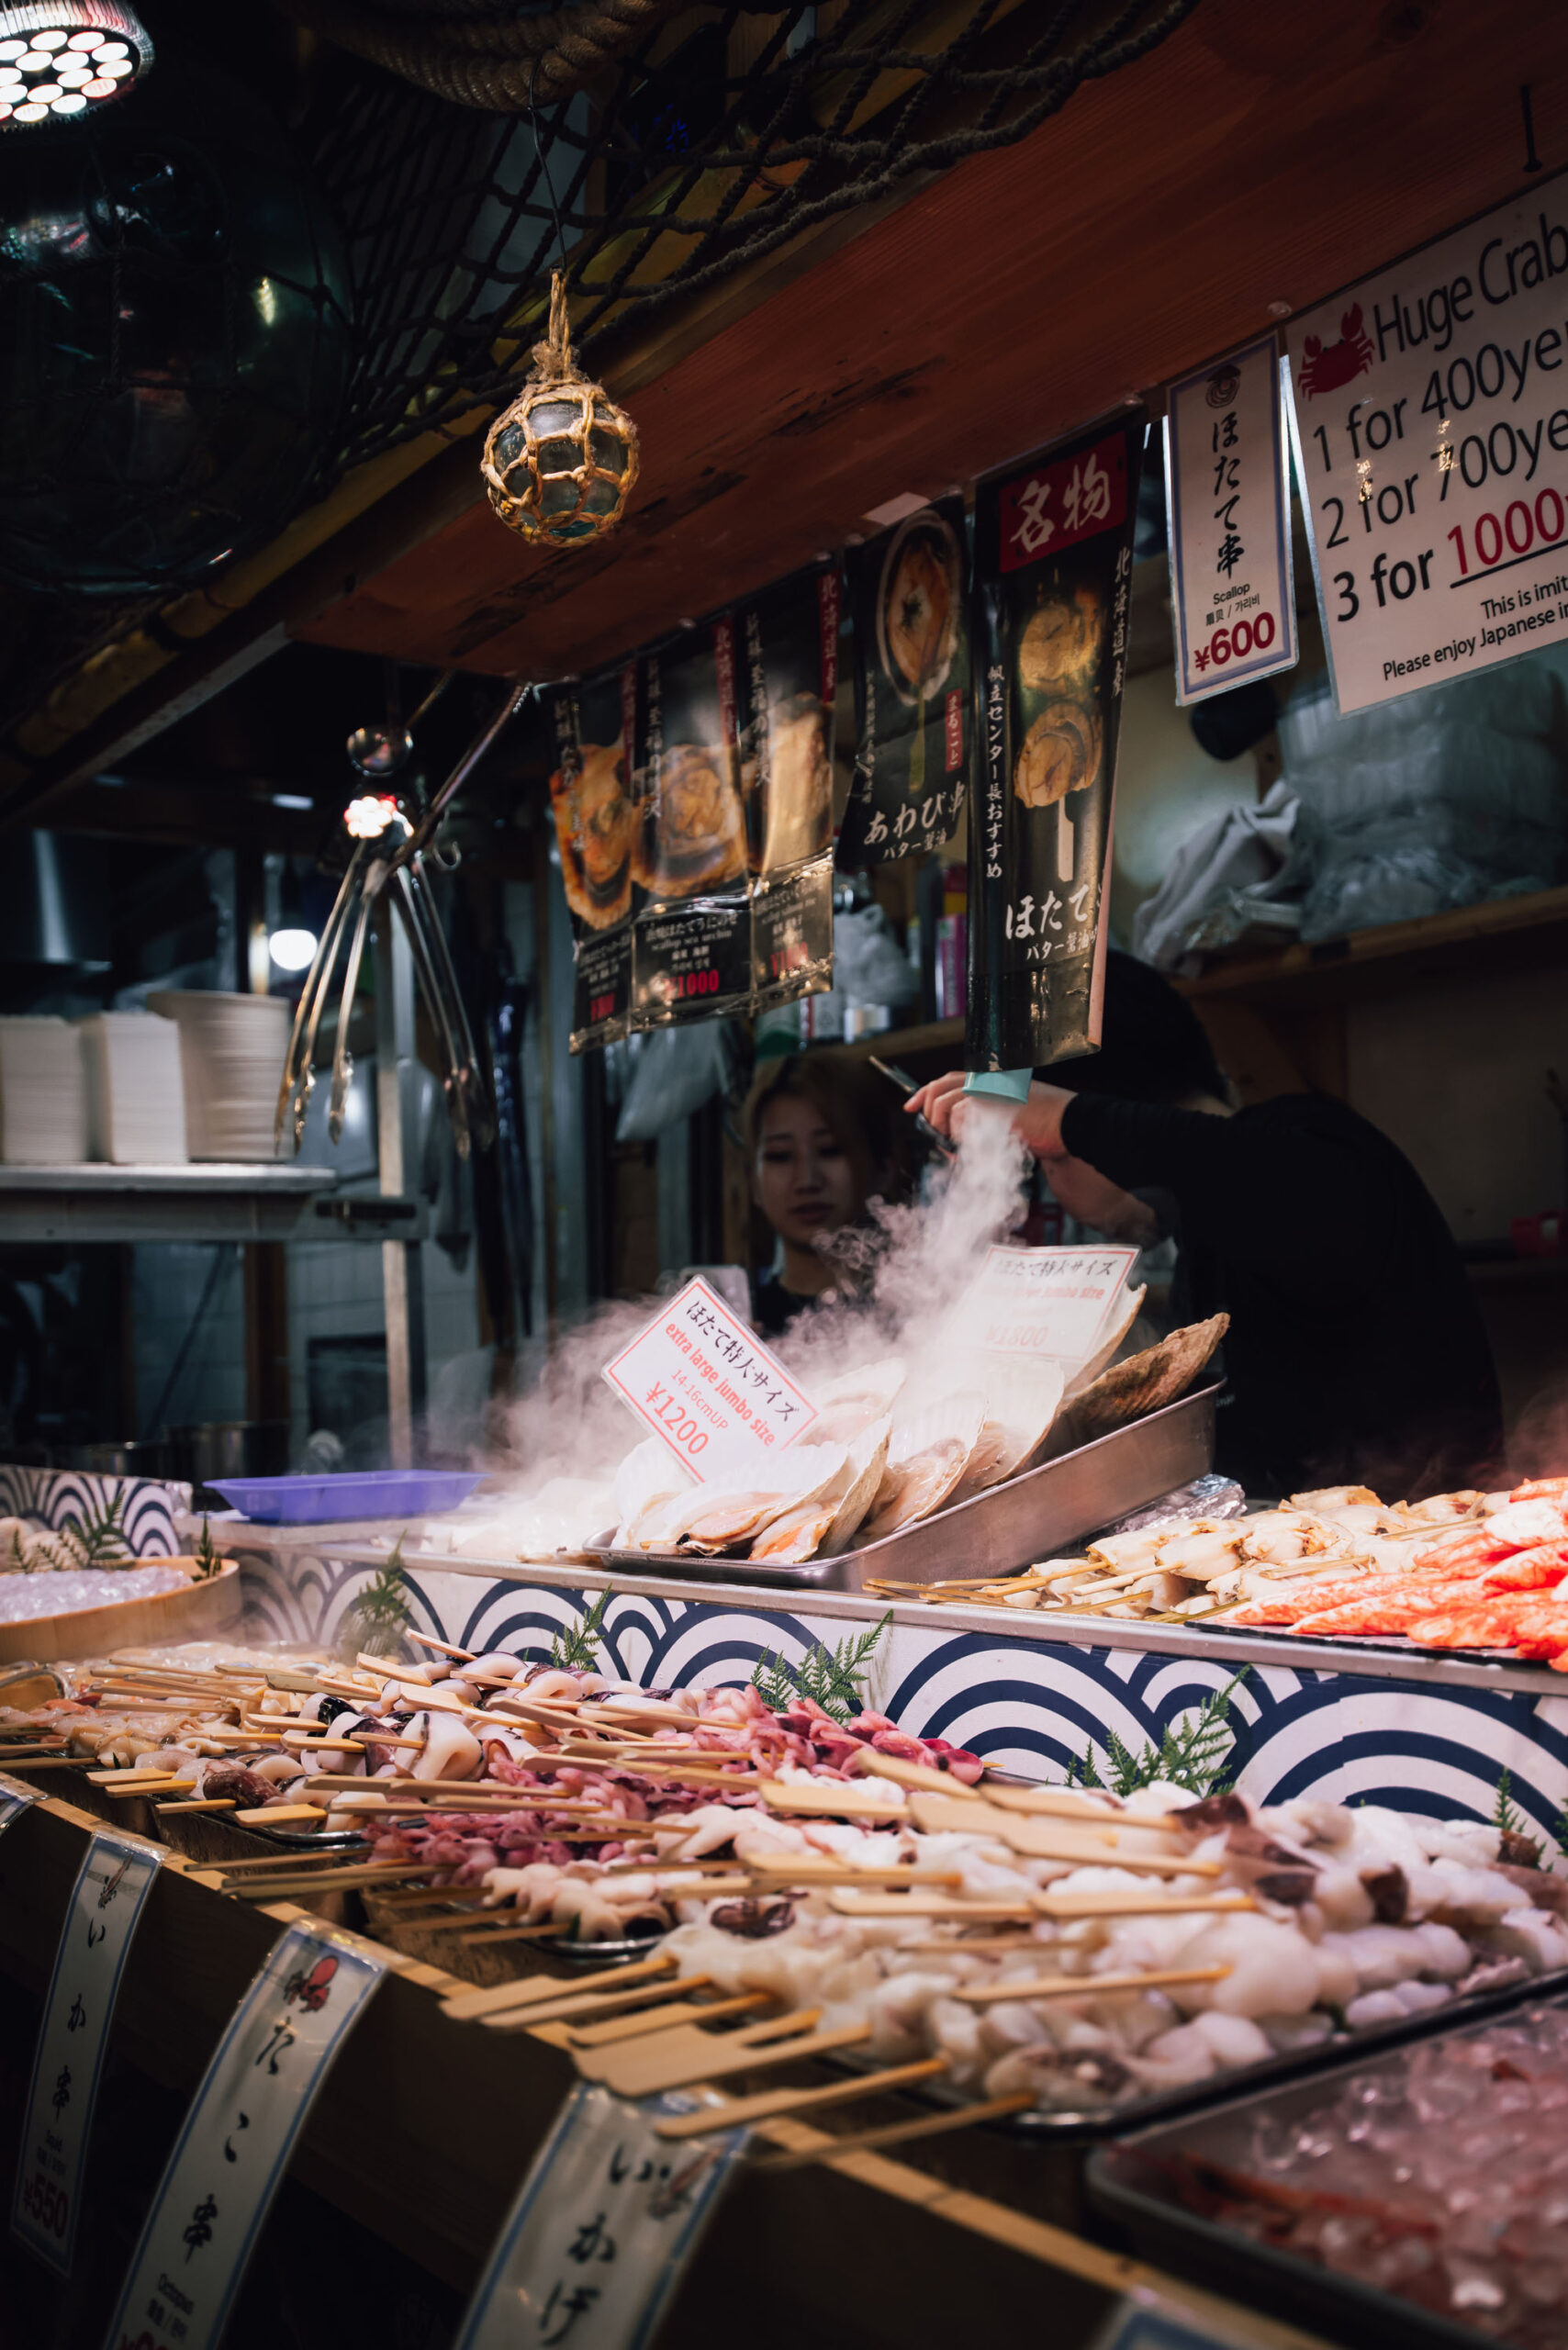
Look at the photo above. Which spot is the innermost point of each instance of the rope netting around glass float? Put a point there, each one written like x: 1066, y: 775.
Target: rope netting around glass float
x: 724, y: 133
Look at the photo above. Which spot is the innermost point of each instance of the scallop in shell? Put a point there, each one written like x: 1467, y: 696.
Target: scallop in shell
x: 926, y: 1459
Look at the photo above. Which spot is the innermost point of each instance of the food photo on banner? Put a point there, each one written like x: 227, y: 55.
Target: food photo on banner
x: 593, y: 731
x: 908, y: 595
x: 1053, y: 571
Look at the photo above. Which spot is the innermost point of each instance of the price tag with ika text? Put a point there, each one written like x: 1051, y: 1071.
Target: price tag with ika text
x: 708, y: 1386
x: 607, y: 2220
x: 235, y: 2144
x: 113, y: 1883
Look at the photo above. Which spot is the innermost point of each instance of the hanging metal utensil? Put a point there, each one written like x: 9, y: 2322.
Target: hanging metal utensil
x: 381, y: 751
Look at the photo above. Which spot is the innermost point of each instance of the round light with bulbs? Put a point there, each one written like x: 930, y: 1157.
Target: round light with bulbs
x: 61, y: 60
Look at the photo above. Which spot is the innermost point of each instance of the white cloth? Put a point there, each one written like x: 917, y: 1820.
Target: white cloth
x: 1227, y: 878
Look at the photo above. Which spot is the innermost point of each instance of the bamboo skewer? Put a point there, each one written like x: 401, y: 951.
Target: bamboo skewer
x: 199, y: 1802
x: 470, y: 2006
x: 668, y: 2017
x: 930, y: 2125
x: 1137, y: 1905
x: 851, y: 1903
x: 808, y: 1870
x: 570, y: 2003
x: 546, y: 1930
x: 1081, y: 1987
x: 770, y: 2105
x: 687, y: 2053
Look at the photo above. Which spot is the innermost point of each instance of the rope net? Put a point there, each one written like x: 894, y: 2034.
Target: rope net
x: 723, y: 133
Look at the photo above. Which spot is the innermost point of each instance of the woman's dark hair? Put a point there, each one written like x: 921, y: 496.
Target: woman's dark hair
x: 863, y: 1112
x: 1153, y: 1047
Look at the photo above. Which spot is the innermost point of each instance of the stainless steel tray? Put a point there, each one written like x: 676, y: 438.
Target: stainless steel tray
x: 1008, y: 1526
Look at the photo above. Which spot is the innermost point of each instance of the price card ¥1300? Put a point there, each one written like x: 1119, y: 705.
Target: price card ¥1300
x: 113, y: 1883
x: 235, y: 2142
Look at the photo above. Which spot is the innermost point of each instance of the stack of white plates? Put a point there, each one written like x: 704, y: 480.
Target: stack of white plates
x: 232, y: 1049
x: 43, y: 1093
x: 136, y: 1094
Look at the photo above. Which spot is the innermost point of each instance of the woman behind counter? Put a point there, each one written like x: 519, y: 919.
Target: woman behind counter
x: 821, y: 1140
x: 1356, y: 1353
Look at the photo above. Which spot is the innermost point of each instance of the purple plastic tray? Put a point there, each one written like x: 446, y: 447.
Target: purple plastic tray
x: 371, y: 1492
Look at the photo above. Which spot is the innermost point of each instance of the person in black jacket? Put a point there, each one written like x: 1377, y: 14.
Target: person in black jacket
x: 1356, y: 1354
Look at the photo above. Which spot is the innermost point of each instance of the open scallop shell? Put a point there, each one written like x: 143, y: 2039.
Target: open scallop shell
x: 926, y: 1459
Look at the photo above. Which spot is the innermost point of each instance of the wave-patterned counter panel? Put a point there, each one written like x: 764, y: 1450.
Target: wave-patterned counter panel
x: 61, y: 1497
x: 1026, y: 1705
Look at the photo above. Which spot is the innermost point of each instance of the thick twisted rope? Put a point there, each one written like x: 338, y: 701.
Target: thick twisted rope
x: 464, y: 51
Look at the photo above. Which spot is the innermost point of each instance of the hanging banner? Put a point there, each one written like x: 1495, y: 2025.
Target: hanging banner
x: 237, y: 2140
x: 691, y: 954
x: 116, y: 1876
x: 1227, y: 504
x: 707, y: 1387
x: 594, y: 745
x: 787, y: 645
x: 608, y: 2218
x: 1429, y: 412
x: 1053, y: 572
x: 908, y: 599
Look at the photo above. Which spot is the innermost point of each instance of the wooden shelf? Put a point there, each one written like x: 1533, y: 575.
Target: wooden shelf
x: 945, y: 1036
x: 1507, y: 934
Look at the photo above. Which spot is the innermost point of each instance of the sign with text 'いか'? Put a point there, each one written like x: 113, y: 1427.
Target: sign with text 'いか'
x: 236, y: 2142
x: 117, y: 1875
x: 1430, y: 411
x: 706, y: 1385
x: 607, y: 2218
x: 1049, y: 1304
x: 1227, y: 496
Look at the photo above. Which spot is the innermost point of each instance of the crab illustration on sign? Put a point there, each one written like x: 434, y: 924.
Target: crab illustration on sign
x: 1327, y: 367
x: 313, y: 1990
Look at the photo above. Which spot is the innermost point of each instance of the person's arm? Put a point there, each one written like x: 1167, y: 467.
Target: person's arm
x: 1140, y: 1145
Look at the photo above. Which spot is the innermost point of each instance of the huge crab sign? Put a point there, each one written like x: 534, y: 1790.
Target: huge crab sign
x: 1327, y: 367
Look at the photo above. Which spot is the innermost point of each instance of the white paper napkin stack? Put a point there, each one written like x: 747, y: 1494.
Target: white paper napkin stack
x: 43, y: 1094
x: 231, y: 1050
x: 135, y: 1093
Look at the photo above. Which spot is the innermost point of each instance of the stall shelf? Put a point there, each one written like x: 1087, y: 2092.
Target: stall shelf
x: 426, y: 2125
x: 1030, y: 1692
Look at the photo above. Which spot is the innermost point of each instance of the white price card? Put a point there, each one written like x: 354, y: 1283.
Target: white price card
x: 15, y: 1797
x: 235, y: 2142
x: 116, y: 1876
x: 1227, y: 499
x: 1429, y: 409
x: 606, y: 2221
x: 1050, y: 1302
x: 706, y: 1385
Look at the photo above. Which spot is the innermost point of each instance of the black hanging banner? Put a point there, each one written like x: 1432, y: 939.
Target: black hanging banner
x: 786, y: 642
x: 1053, y: 577
x: 591, y: 797
x: 908, y: 599
x: 692, y: 952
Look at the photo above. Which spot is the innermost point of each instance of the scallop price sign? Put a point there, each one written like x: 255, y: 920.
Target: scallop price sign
x: 709, y: 1388
x: 1430, y: 412
x: 1227, y: 496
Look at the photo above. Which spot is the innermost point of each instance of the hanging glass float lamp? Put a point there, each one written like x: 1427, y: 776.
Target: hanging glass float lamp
x: 560, y: 463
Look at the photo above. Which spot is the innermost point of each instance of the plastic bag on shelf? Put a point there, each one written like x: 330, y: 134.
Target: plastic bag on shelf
x: 1444, y: 798
x: 673, y: 1072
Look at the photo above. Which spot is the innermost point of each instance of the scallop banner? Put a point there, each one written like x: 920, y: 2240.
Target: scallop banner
x: 144, y: 1508
x: 1027, y: 1705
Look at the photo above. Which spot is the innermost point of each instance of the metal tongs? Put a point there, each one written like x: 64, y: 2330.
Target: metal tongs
x: 923, y: 1125
x: 390, y: 858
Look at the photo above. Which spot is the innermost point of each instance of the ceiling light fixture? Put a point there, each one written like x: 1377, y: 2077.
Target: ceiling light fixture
x: 292, y: 950
x: 63, y: 60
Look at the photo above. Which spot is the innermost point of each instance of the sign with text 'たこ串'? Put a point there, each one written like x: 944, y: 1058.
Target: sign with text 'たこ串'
x: 1227, y: 496
x: 236, y: 2142
x: 116, y: 1876
x: 1429, y: 409
x: 706, y: 1385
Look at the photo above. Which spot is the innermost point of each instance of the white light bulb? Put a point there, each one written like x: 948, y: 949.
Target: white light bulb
x: 83, y: 40
x: 117, y: 70
x: 100, y: 89
x: 292, y: 950
x: 106, y: 49
x: 30, y: 113
x: 45, y: 92
x: 68, y: 102
x: 11, y: 49
x: 73, y: 77
x: 48, y: 40
x: 34, y: 61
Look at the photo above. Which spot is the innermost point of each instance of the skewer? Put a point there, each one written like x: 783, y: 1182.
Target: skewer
x: 571, y: 2002
x: 844, y: 1800
x: 851, y: 1903
x: 1137, y: 1905
x: 912, y: 1775
x: 550, y: 1929
x: 931, y: 2125
x: 809, y: 1871
x: 468, y: 2007
x: 443, y: 1648
x: 343, y: 1880
x: 1085, y: 1987
x: 668, y: 2017
x: 279, y: 1815
x: 770, y: 2105
x: 686, y: 2053
x: 198, y: 1803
